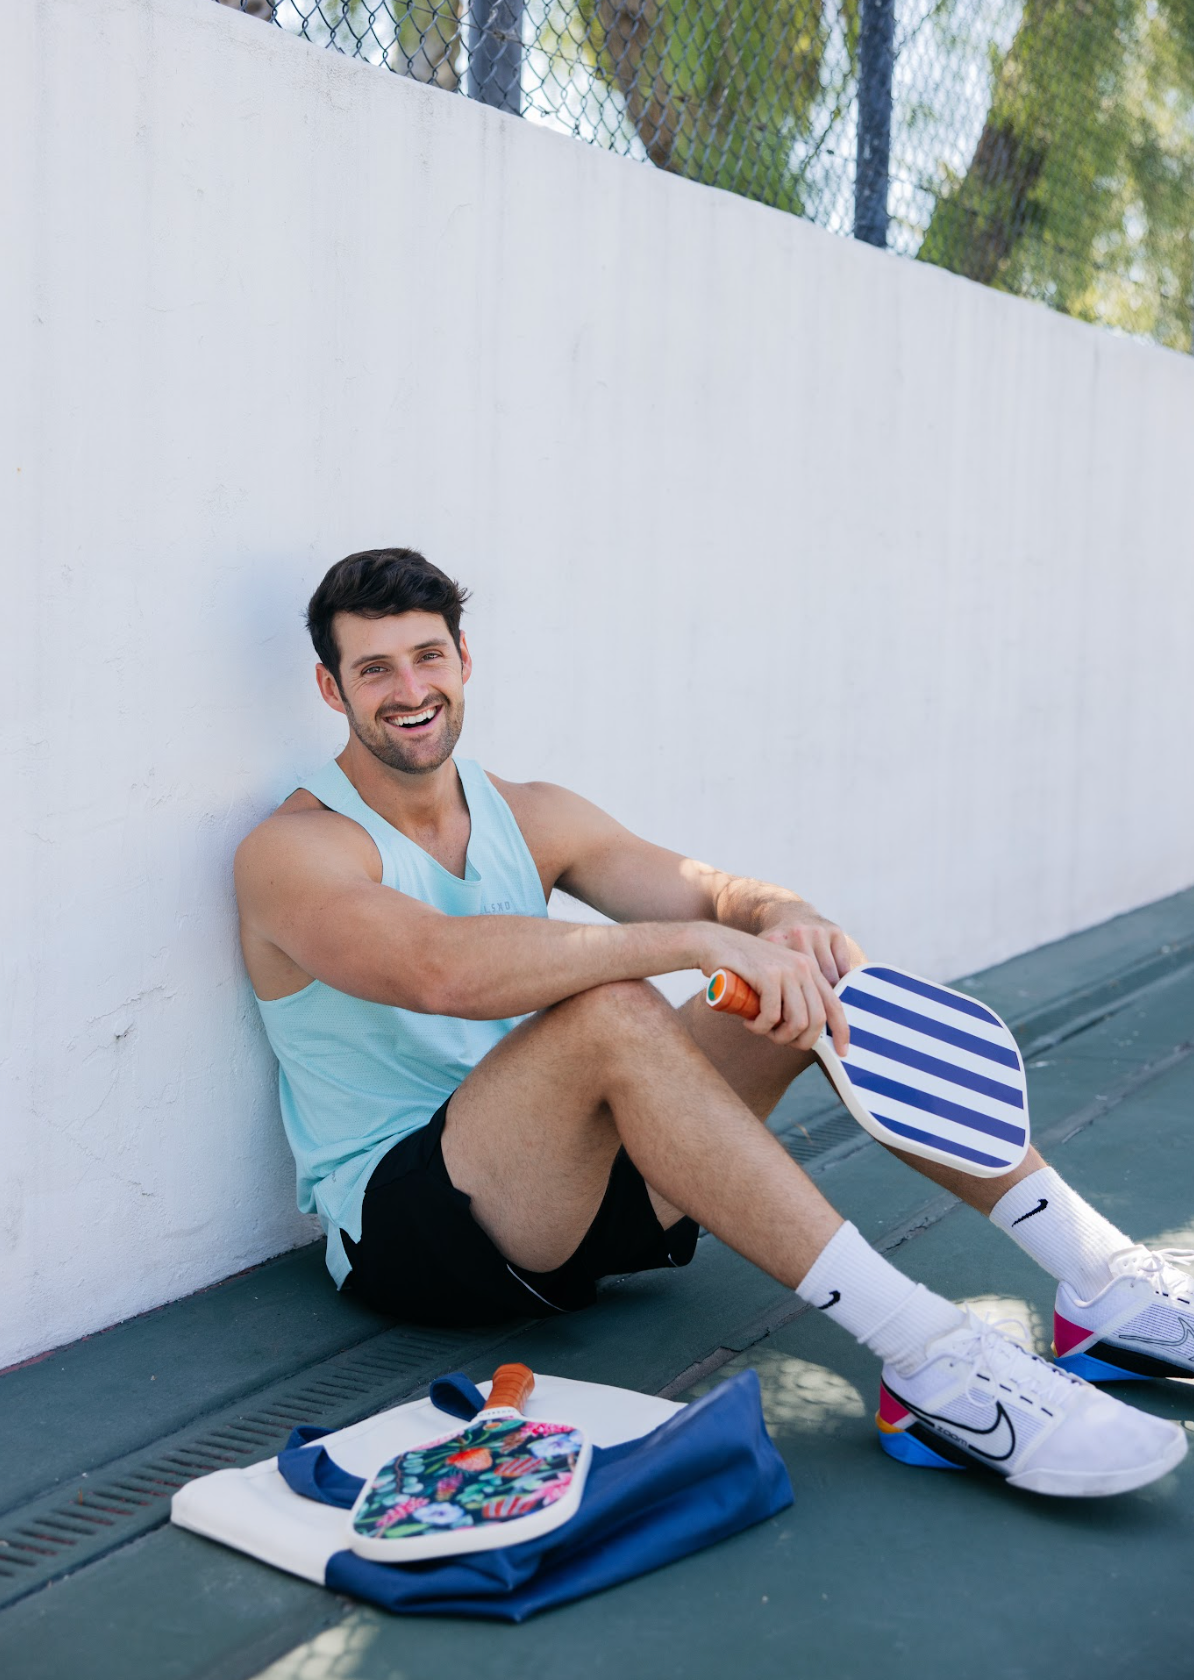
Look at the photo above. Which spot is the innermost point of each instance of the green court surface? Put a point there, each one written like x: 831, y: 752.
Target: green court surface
x: 875, y: 1569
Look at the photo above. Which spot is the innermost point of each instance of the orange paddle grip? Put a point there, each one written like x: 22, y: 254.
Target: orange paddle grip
x: 512, y: 1386
x: 731, y: 994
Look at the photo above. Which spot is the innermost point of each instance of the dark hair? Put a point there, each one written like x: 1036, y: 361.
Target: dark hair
x: 378, y: 583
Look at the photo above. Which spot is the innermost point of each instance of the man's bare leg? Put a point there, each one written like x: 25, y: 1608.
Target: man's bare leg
x: 531, y: 1135
x: 532, y: 1132
x: 534, y: 1129
x: 758, y: 1070
x: 980, y: 1193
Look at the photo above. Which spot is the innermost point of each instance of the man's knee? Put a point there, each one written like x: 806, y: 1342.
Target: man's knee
x: 618, y: 1008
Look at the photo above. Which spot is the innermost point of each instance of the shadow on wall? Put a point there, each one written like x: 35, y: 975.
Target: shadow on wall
x: 281, y: 729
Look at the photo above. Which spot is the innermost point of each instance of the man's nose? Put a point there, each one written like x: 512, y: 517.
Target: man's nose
x: 409, y: 689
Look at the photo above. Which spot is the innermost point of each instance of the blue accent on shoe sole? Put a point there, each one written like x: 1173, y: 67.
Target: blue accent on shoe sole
x: 909, y: 1450
x: 1096, y: 1370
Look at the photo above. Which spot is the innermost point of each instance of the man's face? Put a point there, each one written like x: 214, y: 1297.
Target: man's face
x: 401, y: 687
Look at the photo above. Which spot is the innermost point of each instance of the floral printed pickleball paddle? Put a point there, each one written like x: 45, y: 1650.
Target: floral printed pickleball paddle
x: 501, y: 1479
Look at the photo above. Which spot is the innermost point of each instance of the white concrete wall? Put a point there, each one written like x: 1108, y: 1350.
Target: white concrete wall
x: 828, y: 567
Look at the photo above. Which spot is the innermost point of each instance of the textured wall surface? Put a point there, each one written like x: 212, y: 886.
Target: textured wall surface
x: 828, y: 567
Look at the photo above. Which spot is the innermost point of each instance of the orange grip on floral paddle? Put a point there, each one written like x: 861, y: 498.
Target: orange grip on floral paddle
x: 512, y: 1386
x: 731, y: 994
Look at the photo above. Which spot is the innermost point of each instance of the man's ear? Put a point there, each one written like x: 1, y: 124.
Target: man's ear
x: 329, y: 688
x: 466, y: 659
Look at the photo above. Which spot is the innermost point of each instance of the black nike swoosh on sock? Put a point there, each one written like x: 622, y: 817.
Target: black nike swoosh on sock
x: 1039, y: 1208
x: 835, y: 1296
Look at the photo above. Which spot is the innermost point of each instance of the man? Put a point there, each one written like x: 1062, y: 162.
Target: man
x: 490, y: 1110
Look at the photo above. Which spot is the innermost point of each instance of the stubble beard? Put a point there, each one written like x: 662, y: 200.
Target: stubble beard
x: 388, y: 748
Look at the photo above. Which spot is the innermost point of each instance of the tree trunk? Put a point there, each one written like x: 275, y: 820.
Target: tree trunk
x: 1046, y: 92
x: 632, y: 51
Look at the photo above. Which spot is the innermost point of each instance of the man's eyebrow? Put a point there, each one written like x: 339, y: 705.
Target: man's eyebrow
x: 381, y: 658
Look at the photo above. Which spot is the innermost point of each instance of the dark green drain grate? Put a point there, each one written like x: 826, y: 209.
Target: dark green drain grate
x: 106, y: 1507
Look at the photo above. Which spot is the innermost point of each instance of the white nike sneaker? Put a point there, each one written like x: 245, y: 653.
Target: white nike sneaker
x: 1141, y: 1325
x: 981, y: 1401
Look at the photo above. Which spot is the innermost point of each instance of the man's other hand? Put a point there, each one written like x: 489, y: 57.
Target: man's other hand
x: 800, y: 928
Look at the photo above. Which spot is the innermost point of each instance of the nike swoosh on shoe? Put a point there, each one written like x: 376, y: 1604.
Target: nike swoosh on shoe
x: 1186, y: 1339
x: 984, y: 1443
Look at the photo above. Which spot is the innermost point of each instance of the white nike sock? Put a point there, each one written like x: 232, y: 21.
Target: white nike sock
x: 879, y: 1306
x: 1063, y: 1233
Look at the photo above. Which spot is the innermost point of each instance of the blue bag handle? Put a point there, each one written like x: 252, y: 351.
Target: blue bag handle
x: 316, y: 1475
x: 457, y: 1395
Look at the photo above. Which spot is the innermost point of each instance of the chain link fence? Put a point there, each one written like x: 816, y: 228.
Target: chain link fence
x: 1045, y: 147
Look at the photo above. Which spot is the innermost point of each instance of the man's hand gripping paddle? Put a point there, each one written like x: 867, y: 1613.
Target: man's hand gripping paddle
x: 501, y: 1479
x: 929, y: 1070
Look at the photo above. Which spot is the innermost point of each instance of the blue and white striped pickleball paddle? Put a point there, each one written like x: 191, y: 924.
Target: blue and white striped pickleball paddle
x: 929, y: 1070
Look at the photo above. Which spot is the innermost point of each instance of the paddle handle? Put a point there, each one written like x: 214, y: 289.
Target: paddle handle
x: 512, y: 1386
x: 730, y: 994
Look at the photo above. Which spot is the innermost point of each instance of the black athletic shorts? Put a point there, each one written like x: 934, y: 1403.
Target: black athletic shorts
x: 423, y: 1257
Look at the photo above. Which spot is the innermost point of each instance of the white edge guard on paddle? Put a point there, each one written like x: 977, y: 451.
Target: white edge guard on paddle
x: 831, y: 1062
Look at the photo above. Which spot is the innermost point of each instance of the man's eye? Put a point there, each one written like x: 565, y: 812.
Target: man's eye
x: 369, y: 669
x: 432, y: 653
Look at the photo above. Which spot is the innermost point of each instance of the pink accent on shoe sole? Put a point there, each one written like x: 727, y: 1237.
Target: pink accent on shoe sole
x: 891, y: 1412
x: 1067, y: 1336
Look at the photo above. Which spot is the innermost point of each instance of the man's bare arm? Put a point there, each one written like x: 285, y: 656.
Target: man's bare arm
x: 302, y: 888
x: 585, y: 852
x: 588, y: 854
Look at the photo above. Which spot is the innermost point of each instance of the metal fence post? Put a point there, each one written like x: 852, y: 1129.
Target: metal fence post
x: 876, y: 58
x: 495, y: 53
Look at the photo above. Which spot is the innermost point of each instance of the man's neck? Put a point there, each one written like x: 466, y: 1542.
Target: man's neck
x: 427, y: 806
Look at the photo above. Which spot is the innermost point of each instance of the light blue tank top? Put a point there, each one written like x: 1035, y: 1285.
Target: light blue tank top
x: 355, y: 1077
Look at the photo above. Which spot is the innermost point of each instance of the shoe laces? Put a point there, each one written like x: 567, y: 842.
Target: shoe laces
x: 1170, y: 1271
x: 994, y: 1349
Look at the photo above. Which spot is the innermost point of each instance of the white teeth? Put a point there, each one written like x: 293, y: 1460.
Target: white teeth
x: 419, y: 717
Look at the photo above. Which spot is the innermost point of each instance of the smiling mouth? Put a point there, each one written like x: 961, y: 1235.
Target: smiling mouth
x: 413, y: 720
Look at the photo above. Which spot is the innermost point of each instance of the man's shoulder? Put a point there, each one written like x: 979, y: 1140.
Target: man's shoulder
x: 301, y: 824
x: 558, y: 825
x: 299, y: 814
x: 545, y: 807
x: 533, y: 797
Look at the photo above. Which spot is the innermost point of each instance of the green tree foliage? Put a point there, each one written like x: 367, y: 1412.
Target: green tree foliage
x: 717, y: 92
x: 1080, y: 190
